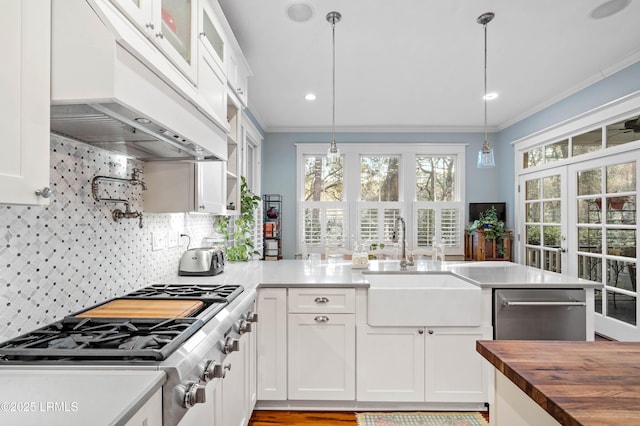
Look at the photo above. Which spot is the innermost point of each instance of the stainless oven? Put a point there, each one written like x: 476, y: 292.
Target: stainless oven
x: 539, y: 314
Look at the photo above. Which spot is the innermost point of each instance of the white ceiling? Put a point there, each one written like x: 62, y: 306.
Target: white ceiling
x: 417, y: 65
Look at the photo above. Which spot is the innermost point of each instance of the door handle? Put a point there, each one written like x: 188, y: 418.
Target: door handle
x: 567, y: 303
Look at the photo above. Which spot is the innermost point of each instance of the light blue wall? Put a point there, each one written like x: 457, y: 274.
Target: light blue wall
x: 624, y: 82
x: 279, y: 153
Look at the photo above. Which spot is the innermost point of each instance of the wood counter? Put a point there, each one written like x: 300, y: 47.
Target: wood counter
x: 577, y: 383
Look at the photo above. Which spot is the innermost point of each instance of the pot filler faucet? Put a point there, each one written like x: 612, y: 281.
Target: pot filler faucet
x: 404, y: 260
x: 118, y: 214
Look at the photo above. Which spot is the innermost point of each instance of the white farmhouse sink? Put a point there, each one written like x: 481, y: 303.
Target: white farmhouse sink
x: 422, y: 299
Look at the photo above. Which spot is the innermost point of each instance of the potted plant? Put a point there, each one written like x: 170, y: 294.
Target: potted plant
x: 241, y: 246
x: 492, y: 228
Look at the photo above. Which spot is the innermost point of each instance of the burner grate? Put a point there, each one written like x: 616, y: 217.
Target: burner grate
x: 219, y: 293
x: 102, y: 339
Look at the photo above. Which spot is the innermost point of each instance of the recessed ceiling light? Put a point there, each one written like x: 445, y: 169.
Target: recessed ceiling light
x: 609, y: 8
x: 142, y: 120
x: 299, y: 11
x: 490, y: 96
x: 310, y: 97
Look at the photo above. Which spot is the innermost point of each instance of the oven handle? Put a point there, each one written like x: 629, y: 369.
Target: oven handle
x: 567, y: 303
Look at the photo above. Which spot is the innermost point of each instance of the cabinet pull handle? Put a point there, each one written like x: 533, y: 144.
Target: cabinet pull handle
x: 160, y: 35
x: 150, y: 26
x: 321, y: 318
x: 321, y: 300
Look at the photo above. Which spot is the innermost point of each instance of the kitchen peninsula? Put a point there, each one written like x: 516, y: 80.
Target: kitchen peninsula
x: 318, y: 350
x: 314, y: 347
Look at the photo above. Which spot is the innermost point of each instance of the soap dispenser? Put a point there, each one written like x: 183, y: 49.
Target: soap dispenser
x: 434, y: 249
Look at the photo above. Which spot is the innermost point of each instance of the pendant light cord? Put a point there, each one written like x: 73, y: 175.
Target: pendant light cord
x: 486, y: 142
x: 333, y: 116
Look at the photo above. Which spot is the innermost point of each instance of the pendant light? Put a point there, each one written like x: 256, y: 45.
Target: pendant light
x: 333, y: 153
x: 485, y: 155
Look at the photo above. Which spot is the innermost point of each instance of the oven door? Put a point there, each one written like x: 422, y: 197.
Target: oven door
x: 539, y: 314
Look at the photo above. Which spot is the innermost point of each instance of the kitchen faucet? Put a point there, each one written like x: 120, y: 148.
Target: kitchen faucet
x: 118, y: 214
x: 404, y: 261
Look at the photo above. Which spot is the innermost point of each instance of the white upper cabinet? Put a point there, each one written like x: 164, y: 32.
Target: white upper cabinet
x: 185, y: 187
x: 212, y: 78
x: 25, y: 28
x: 237, y: 74
x: 210, y: 32
x: 169, y: 24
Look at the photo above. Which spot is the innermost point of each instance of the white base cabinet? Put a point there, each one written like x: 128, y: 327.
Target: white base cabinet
x: 321, y: 356
x: 272, y: 344
x: 415, y: 364
x: 390, y: 363
x: 454, y: 371
x: 315, y: 349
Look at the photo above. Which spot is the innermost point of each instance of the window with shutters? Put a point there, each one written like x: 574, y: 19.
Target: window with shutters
x: 361, y: 197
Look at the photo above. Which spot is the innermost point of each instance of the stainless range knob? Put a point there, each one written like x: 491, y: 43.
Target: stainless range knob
x: 230, y: 345
x: 192, y: 393
x: 252, y: 316
x: 244, y: 326
x: 212, y: 370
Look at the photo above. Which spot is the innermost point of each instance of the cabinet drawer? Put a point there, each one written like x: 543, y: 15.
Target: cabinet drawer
x: 322, y: 300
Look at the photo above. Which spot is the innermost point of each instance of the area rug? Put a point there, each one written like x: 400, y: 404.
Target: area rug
x: 420, y: 419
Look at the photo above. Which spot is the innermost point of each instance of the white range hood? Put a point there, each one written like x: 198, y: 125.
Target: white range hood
x: 101, y: 94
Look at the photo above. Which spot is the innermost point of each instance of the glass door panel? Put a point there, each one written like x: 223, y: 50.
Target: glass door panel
x: 176, y: 26
x: 544, y: 218
x: 606, y: 218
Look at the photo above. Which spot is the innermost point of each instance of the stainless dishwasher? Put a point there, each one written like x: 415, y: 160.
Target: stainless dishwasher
x: 539, y: 314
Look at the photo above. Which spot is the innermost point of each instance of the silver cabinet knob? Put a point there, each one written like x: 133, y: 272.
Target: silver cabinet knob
x: 44, y: 192
x: 321, y: 318
x: 430, y: 331
x: 321, y: 300
x: 160, y: 35
x: 150, y: 26
x: 420, y: 331
x: 192, y: 393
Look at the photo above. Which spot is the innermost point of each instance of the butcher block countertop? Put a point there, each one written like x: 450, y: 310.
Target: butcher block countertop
x: 577, y: 383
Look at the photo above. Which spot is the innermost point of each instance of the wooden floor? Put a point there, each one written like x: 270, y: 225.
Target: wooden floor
x: 302, y: 418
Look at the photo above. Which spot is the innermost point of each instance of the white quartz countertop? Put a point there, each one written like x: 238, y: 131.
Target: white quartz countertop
x: 302, y: 273
x: 74, y: 396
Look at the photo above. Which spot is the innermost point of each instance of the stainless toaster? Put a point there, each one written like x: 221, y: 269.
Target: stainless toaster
x: 201, y: 262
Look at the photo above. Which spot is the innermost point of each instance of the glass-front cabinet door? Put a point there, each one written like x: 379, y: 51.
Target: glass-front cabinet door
x: 170, y: 25
x: 605, y: 240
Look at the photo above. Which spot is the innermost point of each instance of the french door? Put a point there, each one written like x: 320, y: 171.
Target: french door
x: 603, y: 238
x: 581, y: 220
x: 543, y: 235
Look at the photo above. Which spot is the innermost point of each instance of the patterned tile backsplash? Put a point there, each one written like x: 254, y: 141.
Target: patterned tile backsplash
x: 70, y: 255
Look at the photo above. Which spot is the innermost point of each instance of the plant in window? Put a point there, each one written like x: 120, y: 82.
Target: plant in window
x: 241, y: 248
